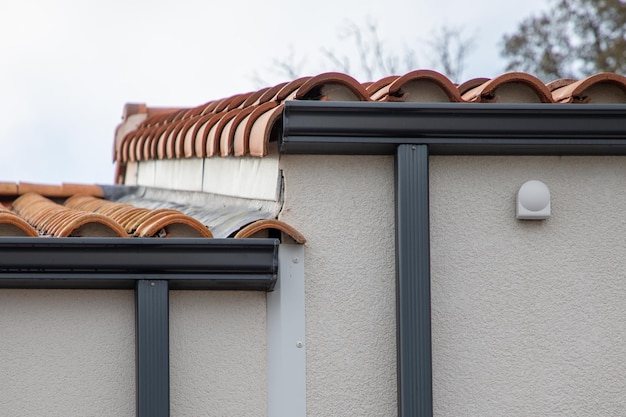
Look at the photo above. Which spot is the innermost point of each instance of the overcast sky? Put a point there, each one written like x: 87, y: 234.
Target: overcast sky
x: 68, y: 66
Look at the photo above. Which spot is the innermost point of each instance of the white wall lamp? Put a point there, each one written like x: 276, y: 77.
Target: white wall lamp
x: 533, y: 201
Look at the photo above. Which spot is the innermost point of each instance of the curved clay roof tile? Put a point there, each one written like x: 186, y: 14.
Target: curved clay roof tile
x: 332, y: 86
x: 174, y: 225
x: 13, y: 225
x: 240, y: 148
x: 379, y: 89
x: 223, y: 131
x: 176, y: 115
x: 243, y: 128
x: 152, y: 144
x: 561, y: 82
x: 253, y: 98
x: 171, y: 141
x: 270, y: 224
x: 238, y: 100
x: 124, y: 145
x: 188, y: 138
x: 289, y: 89
x: 138, y: 146
x: 471, y: 84
x: 210, y: 137
x: 271, y: 92
x: 261, y: 122
x: 424, y: 86
x: 378, y: 84
x: 599, y: 88
x: 197, y: 133
x: 56, y: 220
x: 210, y: 107
x: 200, y: 135
x: 91, y: 224
x: 224, y: 103
x: 513, y: 87
x: 180, y: 134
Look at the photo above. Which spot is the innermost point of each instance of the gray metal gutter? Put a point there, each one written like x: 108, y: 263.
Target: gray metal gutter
x: 367, y: 128
x: 412, y: 132
x: 116, y: 263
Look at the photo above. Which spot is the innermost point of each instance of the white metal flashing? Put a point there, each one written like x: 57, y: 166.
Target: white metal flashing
x: 286, y: 345
x: 242, y: 177
x: 245, y: 177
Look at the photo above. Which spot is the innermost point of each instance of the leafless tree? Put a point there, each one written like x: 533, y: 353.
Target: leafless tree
x: 374, y: 58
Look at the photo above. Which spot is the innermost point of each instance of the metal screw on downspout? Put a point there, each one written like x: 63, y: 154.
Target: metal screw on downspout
x: 295, y: 260
x: 299, y: 344
x: 413, y: 147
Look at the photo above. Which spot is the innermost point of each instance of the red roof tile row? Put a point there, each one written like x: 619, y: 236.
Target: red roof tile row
x: 29, y: 210
x: 242, y: 124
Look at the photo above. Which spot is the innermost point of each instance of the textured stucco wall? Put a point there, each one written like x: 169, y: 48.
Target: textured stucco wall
x: 218, y: 353
x: 344, y: 206
x: 528, y: 316
x: 67, y: 353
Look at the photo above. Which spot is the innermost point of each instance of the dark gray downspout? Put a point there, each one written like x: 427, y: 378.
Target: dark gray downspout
x: 413, y: 283
x: 152, y: 346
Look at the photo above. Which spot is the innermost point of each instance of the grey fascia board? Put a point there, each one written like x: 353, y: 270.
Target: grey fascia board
x: 117, y: 263
x: 454, y: 128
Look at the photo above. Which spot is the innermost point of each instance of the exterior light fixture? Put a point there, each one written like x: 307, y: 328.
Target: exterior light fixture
x: 533, y: 201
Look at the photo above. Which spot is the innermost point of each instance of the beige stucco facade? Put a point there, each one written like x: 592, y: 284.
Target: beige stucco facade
x: 527, y: 316
x: 67, y: 353
x: 345, y: 208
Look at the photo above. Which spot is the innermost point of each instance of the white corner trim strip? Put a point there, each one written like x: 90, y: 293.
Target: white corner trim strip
x: 286, y: 344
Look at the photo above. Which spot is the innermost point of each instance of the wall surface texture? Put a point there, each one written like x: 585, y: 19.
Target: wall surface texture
x: 218, y: 353
x: 528, y: 316
x: 344, y: 206
x: 67, y: 353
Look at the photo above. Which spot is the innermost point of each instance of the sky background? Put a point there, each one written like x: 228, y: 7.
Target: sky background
x: 67, y: 67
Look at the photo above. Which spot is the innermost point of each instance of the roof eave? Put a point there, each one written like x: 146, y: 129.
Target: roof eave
x: 367, y: 128
x: 111, y: 263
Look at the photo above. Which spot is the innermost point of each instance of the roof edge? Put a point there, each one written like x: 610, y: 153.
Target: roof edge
x: 368, y: 128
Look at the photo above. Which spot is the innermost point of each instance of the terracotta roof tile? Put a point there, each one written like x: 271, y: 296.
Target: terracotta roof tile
x: 13, y: 225
x: 13, y: 190
x: 77, y: 210
x: 264, y: 225
x: 288, y: 90
x: 599, y: 88
x: 332, y: 86
x: 271, y: 92
x: 513, y: 87
x: 254, y: 97
x: 471, y: 84
x: 243, y: 124
x: 423, y: 86
x: 379, y: 89
x: 240, y: 146
x: 561, y: 82
x: 141, y: 222
x: 53, y: 219
x: 261, y: 128
x: 223, y: 130
x: 8, y: 188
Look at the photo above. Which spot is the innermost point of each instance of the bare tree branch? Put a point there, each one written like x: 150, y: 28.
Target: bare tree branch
x: 370, y: 57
